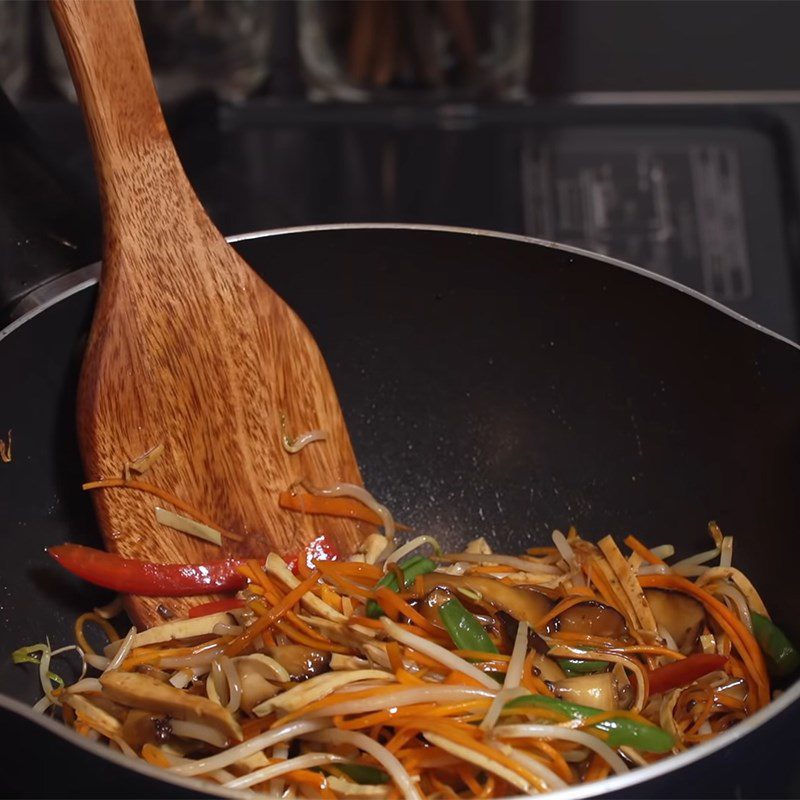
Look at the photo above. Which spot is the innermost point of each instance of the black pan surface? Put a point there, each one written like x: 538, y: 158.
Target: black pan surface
x: 493, y: 386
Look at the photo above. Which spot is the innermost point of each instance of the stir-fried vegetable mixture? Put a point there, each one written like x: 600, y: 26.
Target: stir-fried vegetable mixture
x: 405, y: 672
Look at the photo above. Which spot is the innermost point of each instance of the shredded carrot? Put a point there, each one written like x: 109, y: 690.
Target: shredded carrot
x: 455, y: 678
x: 477, y: 655
x: 391, y: 601
x: 542, y: 551
x: 399, y: 739
x: 557, y: 761
x: 332, y: 598
x: 456, y: 733
x: 654, y: 650
x: 288, y: 630
x: 405, y: 677
x: 349, y: 507
x: 642, y: 550
x: 153, y: 755
x: 598, y: 768
x: 465, y: 772
x: 395, y: 656
x: 167, y: 497
x: 332, y: 573
x: 275, y: 613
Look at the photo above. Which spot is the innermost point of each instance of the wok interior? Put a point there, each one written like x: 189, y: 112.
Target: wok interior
x: 492, y: 387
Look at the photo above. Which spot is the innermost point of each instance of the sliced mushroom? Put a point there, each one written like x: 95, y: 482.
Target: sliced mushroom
x: 596, y: 691
x: 299, y: 661
x: 681, y: 616
x: 591, y: 618
x: 254, y: 677
x: 525, y: 605
x: 143, y: 727
x: 148, y: 694
x: 429, y: 607
x: 548, y: 668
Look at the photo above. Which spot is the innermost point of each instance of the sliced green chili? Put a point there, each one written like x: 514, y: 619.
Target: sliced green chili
x: 782, y: 657
x: 412, y: 567
x: 621, y: 731
x: 364, y: 773
x: 464, y: 629
x: 580, y: 666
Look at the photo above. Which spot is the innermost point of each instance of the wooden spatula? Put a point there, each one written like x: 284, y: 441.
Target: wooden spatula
x: 189, y: 348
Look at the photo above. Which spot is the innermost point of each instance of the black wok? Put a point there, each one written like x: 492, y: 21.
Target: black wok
x: 493, y: 385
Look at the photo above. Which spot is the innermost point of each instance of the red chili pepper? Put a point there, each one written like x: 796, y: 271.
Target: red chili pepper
x: 319, y: 549
x: 683, y: 672
x: 130, y: 576
x: 215, y: 607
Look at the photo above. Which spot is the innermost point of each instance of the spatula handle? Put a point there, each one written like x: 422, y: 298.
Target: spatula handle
x: 135, y: 161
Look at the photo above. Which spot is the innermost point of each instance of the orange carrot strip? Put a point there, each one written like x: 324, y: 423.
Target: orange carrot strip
x: 167, y: 497
x: 308, y: 503
x: 390, y: 600
x: 395, y: 656
x: 152, y: 755
x: 558, y: 762
x: 300, y: 638
x: 275, y: 613
x: 642, y: 550
x: 331, y: 572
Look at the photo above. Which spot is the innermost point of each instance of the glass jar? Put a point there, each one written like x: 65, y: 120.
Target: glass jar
x: 362, y: 50
x: 221, y: 45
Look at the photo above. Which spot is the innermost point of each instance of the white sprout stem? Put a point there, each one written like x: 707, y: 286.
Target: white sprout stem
x: 234, y: 684
x: 663, y: 551
x: 304, y: 439
x: 199, y: 731
x: 521, y: 564
x: 533, y: 765
x: 504, y: 696
x: 726, y: 551
x: 122, y: 653
x: 484, y: 762
x: 362, y: 495
x: 269, y: 738
x: 568, y: 554
x: 191, y: 527
x: 277, y: 785
x: 532, y: 731
x: 511, y: 684
x: 404, y: 697
x: 42, y: 705
x: 410, y: 547
x: 113, y: 609
x: 654, y: 569
x: 85, y: 685
x: 98, y: 662
x: 274, y: 770
x: 438, y: 653
x: 517, y: 662
x: 696, y: 560
x: 739, y: 601
x: 387, y: 760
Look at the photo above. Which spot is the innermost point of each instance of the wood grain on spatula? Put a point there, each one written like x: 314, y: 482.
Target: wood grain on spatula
x: 188, y: 347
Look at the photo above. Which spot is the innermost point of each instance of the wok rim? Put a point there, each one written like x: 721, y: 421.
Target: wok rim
x: 64, y: 287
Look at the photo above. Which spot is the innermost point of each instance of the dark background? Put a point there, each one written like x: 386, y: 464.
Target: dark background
x: 662, y: 133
